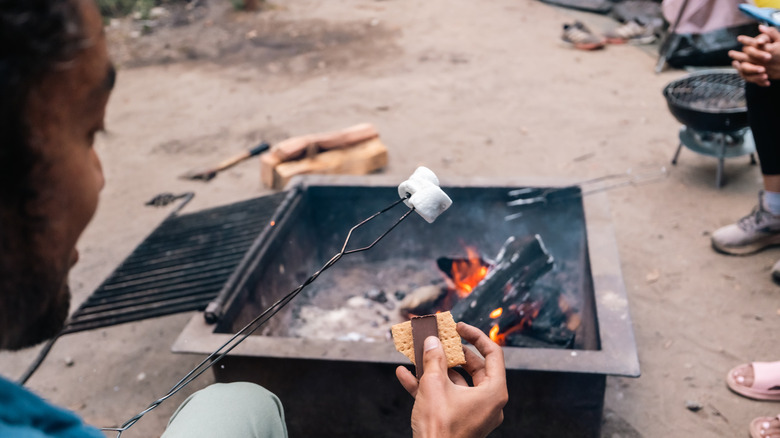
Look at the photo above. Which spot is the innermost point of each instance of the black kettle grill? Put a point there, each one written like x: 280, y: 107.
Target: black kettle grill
x: 711, y: 105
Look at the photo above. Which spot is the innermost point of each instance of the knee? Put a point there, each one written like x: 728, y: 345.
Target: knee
x: 250, y: 395
x: 229, y: 409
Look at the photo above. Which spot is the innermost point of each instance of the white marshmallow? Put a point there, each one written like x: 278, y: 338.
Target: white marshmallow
x: 425, y: 174
x: 428, y: 200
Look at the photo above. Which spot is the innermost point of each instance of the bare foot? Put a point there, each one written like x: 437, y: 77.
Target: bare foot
x: 765, y: 427
x: 743, y: 375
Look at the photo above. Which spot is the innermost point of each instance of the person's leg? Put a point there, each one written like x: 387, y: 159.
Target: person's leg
x: 240, y: 409
x: 761, y: 228
x: 763, y: 114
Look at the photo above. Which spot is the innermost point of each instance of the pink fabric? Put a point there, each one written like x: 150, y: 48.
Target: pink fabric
x: 702, y: 16
x: 766, y: 375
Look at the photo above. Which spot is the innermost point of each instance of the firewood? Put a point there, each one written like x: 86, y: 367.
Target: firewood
x: 519, y: 263
x: 359, y: 159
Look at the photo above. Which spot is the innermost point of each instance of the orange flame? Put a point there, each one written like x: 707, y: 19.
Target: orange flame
x: 496, y: 313
x: 468, y: 273
x: 494, y: 334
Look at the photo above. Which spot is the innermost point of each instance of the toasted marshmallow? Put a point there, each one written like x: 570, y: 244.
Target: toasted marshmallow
x: 427, y: 198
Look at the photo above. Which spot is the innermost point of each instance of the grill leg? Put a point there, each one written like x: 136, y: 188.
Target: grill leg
x: 677, y: 154
x: 753, y: 161
x: 722, y: 140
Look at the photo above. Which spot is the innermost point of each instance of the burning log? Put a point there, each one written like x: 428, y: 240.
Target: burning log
x: 500, y: 302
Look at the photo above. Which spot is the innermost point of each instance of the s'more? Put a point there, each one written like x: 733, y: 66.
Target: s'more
x: 409, y: 336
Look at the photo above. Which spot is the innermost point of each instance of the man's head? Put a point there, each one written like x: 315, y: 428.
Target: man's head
x: 55, y: 79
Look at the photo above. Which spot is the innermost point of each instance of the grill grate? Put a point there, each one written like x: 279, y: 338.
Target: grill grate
x: 181, y: 266
x: 708, y: 92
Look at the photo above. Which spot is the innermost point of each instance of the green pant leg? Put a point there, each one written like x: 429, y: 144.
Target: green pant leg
x: 236, y: 410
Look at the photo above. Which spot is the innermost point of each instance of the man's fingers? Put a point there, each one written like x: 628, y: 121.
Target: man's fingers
x: 757, y: 55
x: 434, y: 359
x: 770, y: 31
x: 494, y: 355
x: 456, y: 378
x: 738, y: 56
x: 475, y: 366
x: 407, y: 379
x: 747, y: 41
x: 477, y: 338
x: 748, y: 68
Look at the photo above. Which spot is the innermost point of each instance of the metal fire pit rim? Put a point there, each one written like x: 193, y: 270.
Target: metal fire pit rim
x: 618, y: 353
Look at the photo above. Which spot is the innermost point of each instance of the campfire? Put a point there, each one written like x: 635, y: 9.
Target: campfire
x: 509, y: 298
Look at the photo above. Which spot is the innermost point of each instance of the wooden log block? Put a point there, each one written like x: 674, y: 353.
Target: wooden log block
x: 252, y: 5
x: 359, y: 159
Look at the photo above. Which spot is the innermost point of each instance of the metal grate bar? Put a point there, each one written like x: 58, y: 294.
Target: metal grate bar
x: 129, y: 316
x: 181, y: 266
x: 155, y: 292
x: 708, y: 91
x: 163, y: 255
x: 169, y: 274
x: 141, y: 301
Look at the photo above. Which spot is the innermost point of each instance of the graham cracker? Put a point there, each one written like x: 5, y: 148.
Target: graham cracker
x: 448, y: 335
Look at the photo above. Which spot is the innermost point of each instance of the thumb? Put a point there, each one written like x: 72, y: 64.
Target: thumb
x: 434, y: 358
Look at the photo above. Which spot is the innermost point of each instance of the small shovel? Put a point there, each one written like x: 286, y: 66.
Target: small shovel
x: 209, y: 173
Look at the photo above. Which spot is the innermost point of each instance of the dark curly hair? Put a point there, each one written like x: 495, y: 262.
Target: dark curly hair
x: 35, y: 35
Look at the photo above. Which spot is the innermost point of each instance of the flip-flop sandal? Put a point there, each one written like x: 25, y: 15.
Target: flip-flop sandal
x: 755, y: 426
x: 766, y: 381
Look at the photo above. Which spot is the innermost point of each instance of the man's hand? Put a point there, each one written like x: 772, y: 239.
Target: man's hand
x: 759, y: 60
x: 445, y: 406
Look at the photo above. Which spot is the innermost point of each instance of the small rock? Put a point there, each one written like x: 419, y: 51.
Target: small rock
x: 376, y: 295
x: 693, y: 405
x: 158, y: 12
x: 140, y: 376
x: 69, y: 362
x: 400, y: 295
x: 653, y: 276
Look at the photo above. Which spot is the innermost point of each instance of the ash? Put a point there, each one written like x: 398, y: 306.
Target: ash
x: 358, y: 300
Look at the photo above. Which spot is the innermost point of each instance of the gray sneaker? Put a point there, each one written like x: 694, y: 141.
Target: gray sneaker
x: 776, y: 272
x: 750, y: 234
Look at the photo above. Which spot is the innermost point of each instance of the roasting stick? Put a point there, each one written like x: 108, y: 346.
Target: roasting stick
x: 261, y: 319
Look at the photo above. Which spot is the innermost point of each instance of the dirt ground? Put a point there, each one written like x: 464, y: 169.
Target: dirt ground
x: 468, y: 89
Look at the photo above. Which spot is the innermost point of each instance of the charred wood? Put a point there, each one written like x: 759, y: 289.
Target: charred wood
x: 519, y: 263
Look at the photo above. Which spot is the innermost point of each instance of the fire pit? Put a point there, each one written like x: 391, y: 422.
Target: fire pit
x: 327, y: 354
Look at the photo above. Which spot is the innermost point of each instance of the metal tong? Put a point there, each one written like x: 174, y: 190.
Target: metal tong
x: 261, y: 319
x: 631, y: 177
